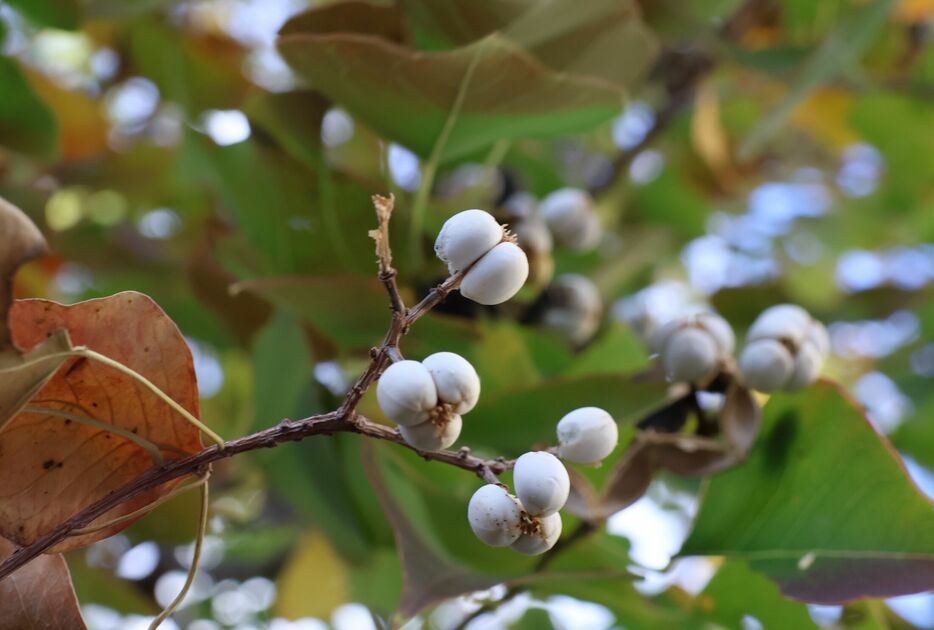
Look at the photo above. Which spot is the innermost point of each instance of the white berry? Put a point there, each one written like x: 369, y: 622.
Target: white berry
x: 434, y: 435
x: 587, y: 435
x: 455, y: 379
x: 542, y: 483
x: 786, y: 348
x: 497, y: 276
x: 406, y: 393
x: 806, y: 369
x: 782, y: 321
x: 720, y: 329
x: 466, y: 237
x: 818, y: 337
x: 766, y: 364
x: 494, y: 516
x: 546, y: 534
x: 690, y: 355
x: 571, y: 217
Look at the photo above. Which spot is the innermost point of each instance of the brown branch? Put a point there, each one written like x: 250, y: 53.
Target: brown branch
x: 197, y: 464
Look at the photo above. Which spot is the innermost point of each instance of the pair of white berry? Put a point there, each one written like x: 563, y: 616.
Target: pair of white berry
x: 572, y: 218
x: 785, y: 349
x: 426, y: 399
x: 694, y: 347
x: 473, y: 241
x: 528, y: 522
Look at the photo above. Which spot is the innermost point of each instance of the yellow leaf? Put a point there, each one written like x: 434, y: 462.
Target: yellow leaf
x: 708, y: 136
x: 314, y: 581
x: 824, y: 116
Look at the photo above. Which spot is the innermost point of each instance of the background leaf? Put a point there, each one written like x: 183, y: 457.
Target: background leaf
x: 407, y: 95
x: 805, y: 514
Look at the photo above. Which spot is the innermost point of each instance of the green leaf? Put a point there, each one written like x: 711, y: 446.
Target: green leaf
x: 430, y: 574
x: 736, y: 591
x: 408, y: 96
x: 617, y: 350
x: 587, y: 39
x: 840, y: 50
x: 64, y: 14
x: 353, y: 311
x: 890, y: 122
x: 197, y: 72
x: 278, y: 392
x: 822, y: 506
x: 294, y: 120
x: 26, y: 124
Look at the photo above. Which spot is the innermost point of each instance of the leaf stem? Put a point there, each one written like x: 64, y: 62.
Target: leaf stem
x: 91, y: 354
x: 420, y: 204
x: 140, y: 441
x: 195, y: 561
x: 141, y: 511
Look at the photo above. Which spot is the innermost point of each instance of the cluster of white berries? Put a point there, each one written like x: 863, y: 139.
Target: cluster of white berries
x: 496, y: 268
x: 694, y: 347
x: 785, y: 349
x: 529, y: 522
x: 426, y: 399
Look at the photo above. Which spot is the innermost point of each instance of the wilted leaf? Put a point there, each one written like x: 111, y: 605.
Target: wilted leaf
x: 682, y: 454
x: 20, y: 241
x: 26, y: 125
x: 39, y: 595
x: 822, y: 506
x: 51, y: 467
x: 21, y: 375
x: 408, y: 95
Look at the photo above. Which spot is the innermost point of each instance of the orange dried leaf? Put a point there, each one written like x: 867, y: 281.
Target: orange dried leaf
x: 51, y: 467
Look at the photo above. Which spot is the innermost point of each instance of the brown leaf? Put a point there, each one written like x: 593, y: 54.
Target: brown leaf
x: 583, y: 500
x: 20, y: 241
x: 21, y: 376
x: 39, y: 596
x: 740, y: 419
x: 629, y: 479
x: 350, y: 16
x: 51, y: 467
x: 685, y: 455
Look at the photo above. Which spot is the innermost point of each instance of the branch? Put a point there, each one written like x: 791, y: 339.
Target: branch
x: 198, y: 464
